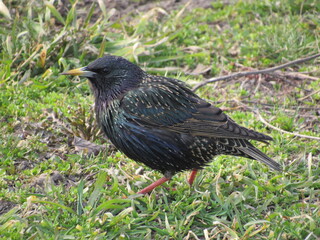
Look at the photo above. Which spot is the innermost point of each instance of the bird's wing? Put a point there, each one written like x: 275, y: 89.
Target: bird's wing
x: 174, y: 107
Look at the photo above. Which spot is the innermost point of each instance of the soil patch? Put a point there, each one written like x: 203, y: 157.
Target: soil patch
x: 125, y: 7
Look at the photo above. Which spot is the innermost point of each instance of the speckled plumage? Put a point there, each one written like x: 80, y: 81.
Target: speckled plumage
x: 160, y: 122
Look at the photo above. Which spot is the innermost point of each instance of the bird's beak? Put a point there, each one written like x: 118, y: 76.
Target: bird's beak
x: 82, y: 72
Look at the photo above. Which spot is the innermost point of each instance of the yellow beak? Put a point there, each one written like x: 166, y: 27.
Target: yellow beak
x: 83, y: 72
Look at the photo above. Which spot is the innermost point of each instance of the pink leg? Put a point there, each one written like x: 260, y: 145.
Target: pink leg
x: 154, y: 185
x: 192, y: 176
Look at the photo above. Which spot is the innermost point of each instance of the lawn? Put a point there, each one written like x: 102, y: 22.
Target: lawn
x: 61, y: 179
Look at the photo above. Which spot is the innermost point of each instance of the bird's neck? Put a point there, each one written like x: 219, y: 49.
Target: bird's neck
x: 104, y: 95
x: 107, y: 98
x: 105, y: 114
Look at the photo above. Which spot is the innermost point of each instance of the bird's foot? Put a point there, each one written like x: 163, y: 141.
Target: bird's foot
x: 154, y: 185
x: 192, y: 176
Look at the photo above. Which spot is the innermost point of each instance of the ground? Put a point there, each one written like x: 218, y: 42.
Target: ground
x: 61, y: 178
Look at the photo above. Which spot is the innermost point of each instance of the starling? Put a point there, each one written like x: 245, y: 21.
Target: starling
x: 160, y: 122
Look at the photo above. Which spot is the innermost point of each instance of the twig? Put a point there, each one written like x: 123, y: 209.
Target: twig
x: 295, y: 75
x: 272, y: 105
x: 278, y: 73
x: 242, y: 74
x: 305, y: 97
x: 266, y: 105
x: 274, y: 127
x: 284, y: 78
x: 283, y: 131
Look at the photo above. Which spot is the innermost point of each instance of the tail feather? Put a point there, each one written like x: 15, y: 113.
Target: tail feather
x: 260, y: 156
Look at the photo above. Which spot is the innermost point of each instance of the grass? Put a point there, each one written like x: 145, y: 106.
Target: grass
x: 51, y: 188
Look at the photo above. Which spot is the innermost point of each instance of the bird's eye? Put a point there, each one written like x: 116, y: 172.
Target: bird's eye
x: 105, y: 71
x: 102, y: 71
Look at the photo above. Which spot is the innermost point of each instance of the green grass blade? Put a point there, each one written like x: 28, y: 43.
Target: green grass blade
x: 111, y: 204
x: 80, y: 198
x: 101, y: 179
x: 55, y: 13
x: 70, y: 210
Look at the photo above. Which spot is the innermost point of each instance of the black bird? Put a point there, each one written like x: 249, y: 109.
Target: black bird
x: 160, y: 122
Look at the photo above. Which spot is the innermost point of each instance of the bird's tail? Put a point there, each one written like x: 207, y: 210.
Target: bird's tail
x: 260, y: 156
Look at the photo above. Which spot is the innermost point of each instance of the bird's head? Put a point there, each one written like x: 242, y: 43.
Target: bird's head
x: 110, y: 76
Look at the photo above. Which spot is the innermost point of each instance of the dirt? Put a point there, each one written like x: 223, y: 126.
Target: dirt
x: 125, y: 7
x: 5, y: 206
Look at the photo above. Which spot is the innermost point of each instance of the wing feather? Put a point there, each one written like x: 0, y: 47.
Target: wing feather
x: 173, y: 107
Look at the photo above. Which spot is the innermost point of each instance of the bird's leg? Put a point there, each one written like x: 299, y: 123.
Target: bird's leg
x: 192, y: 176
x: 154, y: 185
